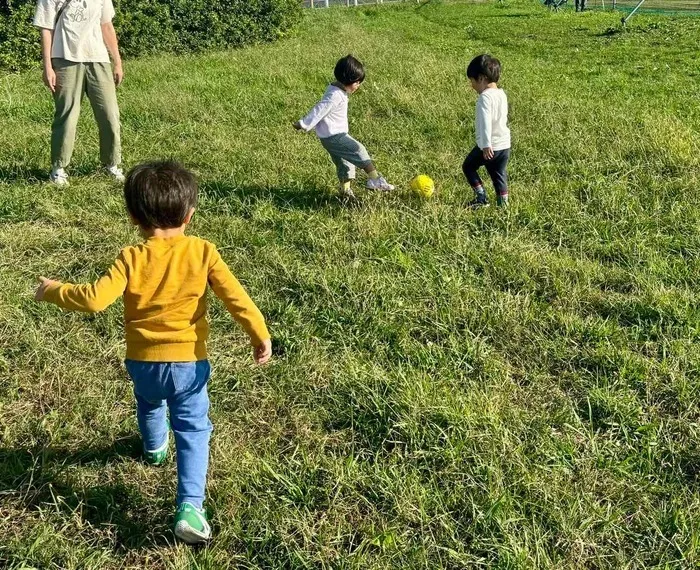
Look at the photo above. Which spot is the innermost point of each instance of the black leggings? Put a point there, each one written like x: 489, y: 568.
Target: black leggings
x: 496, y: 167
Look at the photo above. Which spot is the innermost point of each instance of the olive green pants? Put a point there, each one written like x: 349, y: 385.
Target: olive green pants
x: 73, y: 80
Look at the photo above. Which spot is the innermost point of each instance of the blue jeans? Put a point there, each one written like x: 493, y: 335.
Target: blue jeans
x: 182, y: 386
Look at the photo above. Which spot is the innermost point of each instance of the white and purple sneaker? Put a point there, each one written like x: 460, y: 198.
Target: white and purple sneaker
x: 379, y: 184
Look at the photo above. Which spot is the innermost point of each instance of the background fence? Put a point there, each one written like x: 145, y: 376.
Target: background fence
x: 327, y: 3
x: 649, y: 5
x: 624, y: 5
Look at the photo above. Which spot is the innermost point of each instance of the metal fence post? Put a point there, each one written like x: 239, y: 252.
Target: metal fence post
x: 632, y: 13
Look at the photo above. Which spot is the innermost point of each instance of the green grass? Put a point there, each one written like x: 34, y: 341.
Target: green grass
x: 450, y: 390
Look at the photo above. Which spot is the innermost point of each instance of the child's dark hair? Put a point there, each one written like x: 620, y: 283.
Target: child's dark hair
x: 349, y: 70
x: 484, y: 65
x: 160, y: 194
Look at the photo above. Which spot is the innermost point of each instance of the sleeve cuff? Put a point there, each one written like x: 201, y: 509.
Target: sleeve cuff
x: 259, y: 336
x: 51, y: 294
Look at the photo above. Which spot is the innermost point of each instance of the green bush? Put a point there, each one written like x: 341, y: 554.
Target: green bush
x: 152, y: 26
x: 19, y: 39
x: 144, y: 27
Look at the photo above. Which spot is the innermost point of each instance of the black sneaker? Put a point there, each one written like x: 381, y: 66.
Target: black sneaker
x: 475, y: 204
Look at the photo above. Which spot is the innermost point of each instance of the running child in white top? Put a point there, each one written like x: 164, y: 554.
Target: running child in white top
x: 329, y: 118
x: 492, y: 148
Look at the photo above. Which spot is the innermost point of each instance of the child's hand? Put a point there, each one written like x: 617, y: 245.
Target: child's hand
x: 44, y: 285
x: 297, y: 125
x: 263, y: 352
x: 488, y: 153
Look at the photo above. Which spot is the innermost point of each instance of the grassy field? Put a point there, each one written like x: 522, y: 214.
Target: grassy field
x: 500, y: 389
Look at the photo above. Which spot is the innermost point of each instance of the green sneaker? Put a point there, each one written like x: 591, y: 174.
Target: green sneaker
x: 191, y: 524
x: 158, y: 456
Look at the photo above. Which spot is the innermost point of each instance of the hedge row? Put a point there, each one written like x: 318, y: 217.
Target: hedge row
x: 155, y: 26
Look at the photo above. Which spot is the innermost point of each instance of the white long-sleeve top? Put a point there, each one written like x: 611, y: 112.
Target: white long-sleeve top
x: 492, y: 120
x: 330, y: 115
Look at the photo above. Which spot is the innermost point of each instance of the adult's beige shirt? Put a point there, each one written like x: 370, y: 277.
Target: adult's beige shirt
x: 78, y: 32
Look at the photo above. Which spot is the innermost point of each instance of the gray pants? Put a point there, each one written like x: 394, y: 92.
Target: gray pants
x: 73, y: 80
x: 346, y: 153
x: 580, y: 5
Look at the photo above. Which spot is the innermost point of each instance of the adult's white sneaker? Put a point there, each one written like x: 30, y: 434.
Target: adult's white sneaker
x: 116, y: 173
x: 59, y: 177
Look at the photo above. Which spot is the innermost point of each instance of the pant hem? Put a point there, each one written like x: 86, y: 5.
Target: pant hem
x: 162, y: 447
x: 196, y: 503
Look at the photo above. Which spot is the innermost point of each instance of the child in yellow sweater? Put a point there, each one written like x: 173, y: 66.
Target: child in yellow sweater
x: 164, y: 282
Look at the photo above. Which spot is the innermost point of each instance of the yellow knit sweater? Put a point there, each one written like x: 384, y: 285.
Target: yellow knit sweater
x: 164, y: 283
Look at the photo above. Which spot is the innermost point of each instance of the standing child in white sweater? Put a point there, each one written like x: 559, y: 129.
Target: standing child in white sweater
x: 492, y: 148
x: 330, y: 120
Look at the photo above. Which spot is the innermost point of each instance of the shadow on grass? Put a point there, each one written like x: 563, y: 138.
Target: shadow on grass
x: 33, y: 174
x: 37, y: 478
x: 609, y: 32
x: 285, y: 198
x: 519, y: 15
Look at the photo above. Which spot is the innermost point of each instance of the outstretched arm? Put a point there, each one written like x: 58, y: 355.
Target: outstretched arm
x: 241, y: 307
x: 320, y: 110
x: 89, y: 297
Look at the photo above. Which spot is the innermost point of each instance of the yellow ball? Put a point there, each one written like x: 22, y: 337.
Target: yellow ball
x: 423, y: 185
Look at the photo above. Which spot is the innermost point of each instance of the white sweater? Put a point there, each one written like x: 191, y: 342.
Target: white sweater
x: 492, y: 120
x: 330, y: 115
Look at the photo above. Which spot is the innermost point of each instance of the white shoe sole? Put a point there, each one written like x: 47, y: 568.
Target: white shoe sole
x: 190, y: 535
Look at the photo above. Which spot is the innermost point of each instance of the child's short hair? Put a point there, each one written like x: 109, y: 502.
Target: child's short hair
x: 160, y: 194
x: 484, y: 65
x: 349, y: 70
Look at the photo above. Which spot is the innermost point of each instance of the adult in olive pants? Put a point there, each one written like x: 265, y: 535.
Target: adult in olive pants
x: 73, y: 80
x: 580, y: 5
x: 77, y: 40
